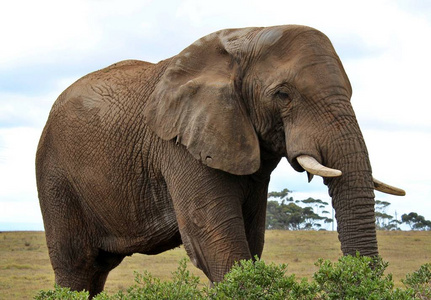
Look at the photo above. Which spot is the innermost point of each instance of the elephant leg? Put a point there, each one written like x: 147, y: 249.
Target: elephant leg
x: 208, y: 207
x: 88, y: 271
x: 254, y: 213
x: 77, y: 261
x: 80, y: 265
x: 254, y: 206
x: 213, y: 240
x: 214, y: 237
x: 103, y: 264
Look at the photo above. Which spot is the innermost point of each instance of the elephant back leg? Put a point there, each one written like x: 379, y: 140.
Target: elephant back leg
x: 72, y: 240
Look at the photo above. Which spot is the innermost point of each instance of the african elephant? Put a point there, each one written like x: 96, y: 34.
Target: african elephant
x: 141, y: 157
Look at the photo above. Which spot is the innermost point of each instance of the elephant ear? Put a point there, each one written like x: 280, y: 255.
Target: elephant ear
x: 196, y: 103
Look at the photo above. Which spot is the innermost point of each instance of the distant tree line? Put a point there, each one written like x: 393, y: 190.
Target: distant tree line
x: 385, y: 221
x: 284, y: 212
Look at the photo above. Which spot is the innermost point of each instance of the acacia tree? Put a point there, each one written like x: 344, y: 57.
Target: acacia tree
x: 282, y: 195
x: 416, y: 222
x: 284, y: 216
x: 382, y: 218
x: 393, y: 225
x: 385, y: 221
x: 285, y: 213
x: 318, y: 205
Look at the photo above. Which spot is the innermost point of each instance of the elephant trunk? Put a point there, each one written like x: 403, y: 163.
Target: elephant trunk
x: 353, y: 192
x: 353, y: 201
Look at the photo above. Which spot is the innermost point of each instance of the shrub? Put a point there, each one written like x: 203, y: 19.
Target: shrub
x: 352, y: 277
x: 184, y: 285
x: 250, y: 279
x: 418, y: 284
x: 61, y: 293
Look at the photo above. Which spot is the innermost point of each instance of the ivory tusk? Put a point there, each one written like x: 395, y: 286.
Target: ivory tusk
x: 388, y: 189
x: 312, y: 166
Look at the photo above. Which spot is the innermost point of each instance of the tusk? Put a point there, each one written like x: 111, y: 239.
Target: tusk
x: 388, y: 189
x: 312, y: 166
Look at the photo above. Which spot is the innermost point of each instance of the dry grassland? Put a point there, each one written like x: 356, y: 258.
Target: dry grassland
x: 25, y: 267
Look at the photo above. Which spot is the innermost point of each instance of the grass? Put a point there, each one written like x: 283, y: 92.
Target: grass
x: 25, y: 266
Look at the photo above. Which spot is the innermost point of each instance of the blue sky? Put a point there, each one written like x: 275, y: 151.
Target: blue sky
x: 384, y: 45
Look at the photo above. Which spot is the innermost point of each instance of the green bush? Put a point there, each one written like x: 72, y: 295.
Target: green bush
x: 61, y: 293
x: 183, y: 285
x: 359, y: 277
x: 250, y: 279
x: 352, y: 277
x: 418, y: 284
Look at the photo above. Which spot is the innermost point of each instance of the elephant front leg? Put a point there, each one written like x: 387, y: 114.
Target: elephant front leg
x: 213, y: 235
x: 208, y: 208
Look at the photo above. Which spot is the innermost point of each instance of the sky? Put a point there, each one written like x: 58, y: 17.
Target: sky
x: 385, y: 47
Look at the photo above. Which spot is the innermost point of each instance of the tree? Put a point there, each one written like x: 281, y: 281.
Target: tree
x: 284, y: 216
x: 274, y: 216
x: 292, y: 216
x: 281, y: 195
x: 319, y: 205
x: 311, y: 218
x: 384, y: 221
x: 295, y: 215
x: 393, y: 225
x: 416, y: 222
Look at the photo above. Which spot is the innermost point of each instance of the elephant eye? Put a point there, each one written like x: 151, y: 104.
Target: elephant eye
x: 282, y: 95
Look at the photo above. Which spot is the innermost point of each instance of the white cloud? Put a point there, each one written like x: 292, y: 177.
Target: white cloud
x: 20, y: 212
x: 392, y: 87
x: 17, y: 163
x: 36, y: 29
x: 18, y: 110
x: 399, y: 158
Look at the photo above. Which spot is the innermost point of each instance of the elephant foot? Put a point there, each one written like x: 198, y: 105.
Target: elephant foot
x: 89, y: 273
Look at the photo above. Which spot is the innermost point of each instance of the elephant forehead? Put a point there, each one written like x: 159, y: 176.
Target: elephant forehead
x: 229, y: 35
x: 270, y: 36
x: 204, y: 39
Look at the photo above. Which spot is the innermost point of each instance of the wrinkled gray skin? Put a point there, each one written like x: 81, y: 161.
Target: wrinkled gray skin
x: 141, y: 157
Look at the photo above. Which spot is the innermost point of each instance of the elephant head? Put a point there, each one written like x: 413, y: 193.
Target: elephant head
x: 238, y: 96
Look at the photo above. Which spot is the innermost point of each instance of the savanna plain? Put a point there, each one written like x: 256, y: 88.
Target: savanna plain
x: 25, y: 267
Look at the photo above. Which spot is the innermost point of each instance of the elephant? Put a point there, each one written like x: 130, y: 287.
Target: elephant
x: 142, y: 157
